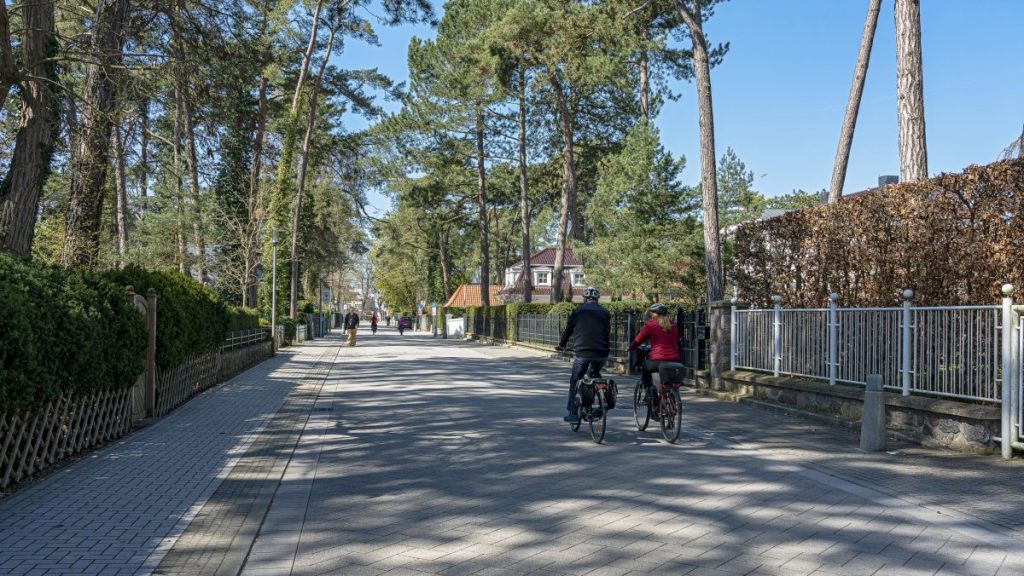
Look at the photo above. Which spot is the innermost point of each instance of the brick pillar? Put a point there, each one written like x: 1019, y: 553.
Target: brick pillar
x: 720, y: 344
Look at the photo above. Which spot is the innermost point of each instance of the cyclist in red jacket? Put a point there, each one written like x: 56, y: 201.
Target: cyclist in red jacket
x: 664, y: 338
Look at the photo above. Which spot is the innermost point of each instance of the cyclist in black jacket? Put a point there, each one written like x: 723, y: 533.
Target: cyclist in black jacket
x: 591, y: 324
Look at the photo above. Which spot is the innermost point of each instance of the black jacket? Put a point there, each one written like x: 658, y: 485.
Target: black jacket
x: 351, y: 320
x: 592, y: 325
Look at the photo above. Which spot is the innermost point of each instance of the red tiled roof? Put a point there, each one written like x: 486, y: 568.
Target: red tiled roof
x: 469, y: 295
x: 546, y: 257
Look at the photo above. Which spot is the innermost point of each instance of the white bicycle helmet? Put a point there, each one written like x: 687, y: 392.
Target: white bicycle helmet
x: 591, y: 293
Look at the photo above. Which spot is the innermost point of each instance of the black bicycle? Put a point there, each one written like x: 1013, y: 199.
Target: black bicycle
x: 667, y: 405
x: 594, y: 397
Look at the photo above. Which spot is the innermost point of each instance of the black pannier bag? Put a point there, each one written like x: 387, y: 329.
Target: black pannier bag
x: 672, y: 372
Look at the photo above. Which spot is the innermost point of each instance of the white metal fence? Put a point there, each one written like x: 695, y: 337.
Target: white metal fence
x: 943, y: 351
x: 960, y: 352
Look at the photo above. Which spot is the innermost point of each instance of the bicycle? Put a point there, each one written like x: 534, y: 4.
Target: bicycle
x: 667, y: 405
x: 373, y: 328
x: 591, y: 403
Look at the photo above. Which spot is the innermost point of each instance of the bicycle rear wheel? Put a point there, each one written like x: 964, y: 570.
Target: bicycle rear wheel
x: 598, y: 417
x: 671, y: 414
x: 641, y: 408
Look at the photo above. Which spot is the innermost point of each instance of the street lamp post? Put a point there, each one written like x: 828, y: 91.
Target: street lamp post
x: 320, y: 289
x: 273, y: 292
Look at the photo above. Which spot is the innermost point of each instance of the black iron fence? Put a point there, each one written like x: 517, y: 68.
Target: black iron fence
x: 545, y: 330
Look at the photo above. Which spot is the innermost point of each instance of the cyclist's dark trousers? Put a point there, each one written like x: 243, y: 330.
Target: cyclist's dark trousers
x: 651, y: 367
x: 580, y: 366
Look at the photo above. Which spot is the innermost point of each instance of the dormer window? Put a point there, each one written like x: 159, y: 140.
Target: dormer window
x: 542, y: 278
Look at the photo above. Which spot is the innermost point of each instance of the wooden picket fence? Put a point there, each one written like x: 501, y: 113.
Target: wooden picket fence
x: 177, y: 385
x: 32, y: 442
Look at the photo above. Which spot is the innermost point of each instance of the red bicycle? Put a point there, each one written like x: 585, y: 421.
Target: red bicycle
x: 667, y: 406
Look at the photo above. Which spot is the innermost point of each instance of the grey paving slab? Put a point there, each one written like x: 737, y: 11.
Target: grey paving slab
x: 450, y: 458
x: 118, y: 509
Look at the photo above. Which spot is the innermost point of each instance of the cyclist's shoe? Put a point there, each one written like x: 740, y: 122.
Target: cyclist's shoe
x: 571, y: 418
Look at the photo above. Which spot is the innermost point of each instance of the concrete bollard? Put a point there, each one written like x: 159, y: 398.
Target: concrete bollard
x: 872, y: 428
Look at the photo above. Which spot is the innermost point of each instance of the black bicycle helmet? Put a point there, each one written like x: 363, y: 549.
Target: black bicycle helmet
x: 659, y: 309
x: 591, y: 293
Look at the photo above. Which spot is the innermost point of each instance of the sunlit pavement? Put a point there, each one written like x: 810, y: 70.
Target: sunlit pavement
x: 412, y: 455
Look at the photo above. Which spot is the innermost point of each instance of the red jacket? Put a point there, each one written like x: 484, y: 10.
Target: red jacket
x: 664, y: 345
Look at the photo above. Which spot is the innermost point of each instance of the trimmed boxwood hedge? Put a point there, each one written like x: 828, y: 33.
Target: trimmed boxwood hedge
x: 64, y: 331
x: 564, y: 309
x: 242, y: 318
x: 190, y: 317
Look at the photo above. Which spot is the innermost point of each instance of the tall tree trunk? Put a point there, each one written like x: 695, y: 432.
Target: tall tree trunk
x: 708, y: 176
x: 303, y: 166
x: 481, y: 198
x: 910, y: 92
x: 524, y: 199
x: 645, y: 81
x: 250, y: 291
x: 33, y: 144
x: 191, y: 159
x: 279, y: 201
x: 860, y: 72
x: 184, y: 112
x: 91, y: 156
x: 8, y: 68
x: 442, y: 248
x: 568, y: 187
x: 121, y: 184
x: 179, y: 190
x: 143, y: 157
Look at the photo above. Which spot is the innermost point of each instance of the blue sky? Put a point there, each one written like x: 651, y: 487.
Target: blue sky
x: 781, y: 91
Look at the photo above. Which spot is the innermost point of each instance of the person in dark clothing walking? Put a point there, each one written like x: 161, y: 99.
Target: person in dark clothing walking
x: 351, y: 326
x: 591, y: 325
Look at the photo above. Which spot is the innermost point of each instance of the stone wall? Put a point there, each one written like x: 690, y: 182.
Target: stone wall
x: 959, y: 426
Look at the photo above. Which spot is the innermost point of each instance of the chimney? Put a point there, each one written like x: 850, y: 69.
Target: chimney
x: 884, y: 181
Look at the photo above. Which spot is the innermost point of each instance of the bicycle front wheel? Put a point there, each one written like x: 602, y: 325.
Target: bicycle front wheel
x: 599, y: 417
x: 671, y: 414
x: 641, y: 408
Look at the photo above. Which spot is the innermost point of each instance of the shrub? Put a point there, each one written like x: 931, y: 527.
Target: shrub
x: 63, y: 332
x: 190, y: 318
x: 953, y: 239
x: 242, y: 318
x: 289, y: 328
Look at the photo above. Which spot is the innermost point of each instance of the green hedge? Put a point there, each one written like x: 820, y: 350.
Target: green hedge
x: 289, y: 328
x: 64, y: 331
x: 242, y: 318
x: 564, y: 309
x: 190, y: 317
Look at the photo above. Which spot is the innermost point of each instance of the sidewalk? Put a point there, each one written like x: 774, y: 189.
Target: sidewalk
x: 411, y: 455
x: 119, y: 509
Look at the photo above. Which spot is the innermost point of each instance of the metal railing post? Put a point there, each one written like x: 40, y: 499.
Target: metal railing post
x: 833, y: 340
x: 777, y: 336
x: 905, y: 342
x: 733, y: 320
x: 1008, y: 373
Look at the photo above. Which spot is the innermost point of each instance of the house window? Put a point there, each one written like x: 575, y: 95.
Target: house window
x: 577, y: 278
x: 542, y: 278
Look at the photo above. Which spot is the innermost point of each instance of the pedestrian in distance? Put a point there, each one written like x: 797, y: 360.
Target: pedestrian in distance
x: 351, y: 326
x: 590, y: 326
x: 373, y: 323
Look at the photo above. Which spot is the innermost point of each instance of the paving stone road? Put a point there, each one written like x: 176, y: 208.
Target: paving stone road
x: 408, y: 455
